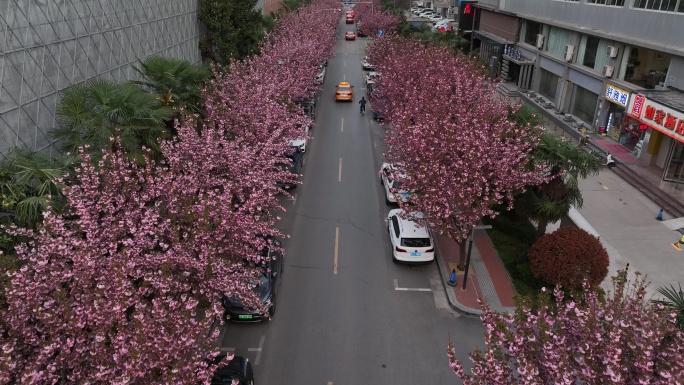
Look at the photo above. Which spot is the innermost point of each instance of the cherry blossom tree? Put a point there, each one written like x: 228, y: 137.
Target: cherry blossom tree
x: 373, y: 18
x: 618, y: 338
x: 111, y: 291
x: 460, y: 151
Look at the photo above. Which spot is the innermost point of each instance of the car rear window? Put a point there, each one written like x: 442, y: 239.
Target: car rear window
x: 343, y: 89
x: 415, y: 242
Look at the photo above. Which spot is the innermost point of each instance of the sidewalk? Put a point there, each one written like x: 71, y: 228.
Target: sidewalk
x: 488, y: 281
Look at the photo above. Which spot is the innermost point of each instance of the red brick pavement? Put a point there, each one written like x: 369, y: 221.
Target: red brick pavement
x: 470, y: 297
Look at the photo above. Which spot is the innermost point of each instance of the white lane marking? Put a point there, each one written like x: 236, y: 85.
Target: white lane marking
x: 258, y: 350
x: 396, y: 287
x: 337, y: 242
x: 294, y: 199
x: 339, y: 172
x: 227, y: 349
x: 342, y: 125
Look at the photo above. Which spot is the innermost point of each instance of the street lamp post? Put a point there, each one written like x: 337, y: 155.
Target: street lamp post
x: 470, y: 249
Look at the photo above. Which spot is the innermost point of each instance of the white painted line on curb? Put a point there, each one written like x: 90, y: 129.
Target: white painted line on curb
x: 258, y: 350
x: 396, y: 287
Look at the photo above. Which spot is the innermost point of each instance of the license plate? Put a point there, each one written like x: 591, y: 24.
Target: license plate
x: 404, y: 195
x: 244, y: 316
x: 415, y: 254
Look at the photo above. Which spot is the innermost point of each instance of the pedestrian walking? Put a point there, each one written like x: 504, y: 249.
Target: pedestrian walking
x: 362, y: 102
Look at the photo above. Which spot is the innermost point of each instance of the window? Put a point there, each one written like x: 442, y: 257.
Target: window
x: 415, y: 242
x: 614, y: 3
x: 548, y: 84
x: 395, y: 224
x: 660, y: 5
x: 590, y: 51
x: 585, y: 104
x: 532, y: 29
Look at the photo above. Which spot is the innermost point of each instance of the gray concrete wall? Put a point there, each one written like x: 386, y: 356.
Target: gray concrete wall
x: 45, y: 46
x: 661, y: 31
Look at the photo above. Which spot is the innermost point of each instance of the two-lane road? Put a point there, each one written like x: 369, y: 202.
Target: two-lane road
x: 340, y: 318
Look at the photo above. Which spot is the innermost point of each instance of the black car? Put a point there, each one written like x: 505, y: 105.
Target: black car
x: 295, y: 155
x: 239, y: 368
x: 266, y: 288
x: 378, y: 106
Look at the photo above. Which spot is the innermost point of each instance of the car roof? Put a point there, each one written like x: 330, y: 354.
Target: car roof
x: 411, y: 228
x: 343, y: 84
x: 237, y: 367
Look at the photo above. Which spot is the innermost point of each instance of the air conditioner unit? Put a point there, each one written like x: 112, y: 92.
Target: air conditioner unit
x: 607, y: 71
x: 569, y: 52
x: 540, y: 41
x: 612, y: 51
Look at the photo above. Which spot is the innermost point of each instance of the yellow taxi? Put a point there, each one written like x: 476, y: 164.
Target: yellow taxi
x: 344, y: 92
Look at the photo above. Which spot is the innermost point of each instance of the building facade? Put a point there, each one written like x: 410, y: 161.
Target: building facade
x: 614, y: 66
x: 45, y: 46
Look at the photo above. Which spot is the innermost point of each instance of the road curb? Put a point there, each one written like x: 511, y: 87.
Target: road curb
x: 443, y: 274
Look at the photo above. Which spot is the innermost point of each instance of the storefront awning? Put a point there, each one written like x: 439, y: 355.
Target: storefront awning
x: 492, y: 37
x: 663, y: 110
x: 669, y: 98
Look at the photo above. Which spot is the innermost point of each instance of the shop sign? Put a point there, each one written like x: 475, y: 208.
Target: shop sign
x: 616, y: 95
x: 660, y: 117
x: 638, y: 105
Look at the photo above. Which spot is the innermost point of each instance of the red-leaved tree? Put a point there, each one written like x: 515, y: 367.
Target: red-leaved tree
x: 568, y: 257
x: 461, y: 153
x: 618, y: 338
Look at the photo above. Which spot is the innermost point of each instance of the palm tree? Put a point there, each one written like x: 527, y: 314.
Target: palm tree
x: 29, y: 184
x: 565, y: 163
x: 175, y: 82
x: 674, y: 299
x: 94, y: 112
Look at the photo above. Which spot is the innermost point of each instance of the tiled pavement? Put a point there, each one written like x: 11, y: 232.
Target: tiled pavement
x: 488, y: 282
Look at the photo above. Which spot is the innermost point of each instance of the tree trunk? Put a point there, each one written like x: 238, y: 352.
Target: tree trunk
x: 541, y: 227
x: 462, y: 254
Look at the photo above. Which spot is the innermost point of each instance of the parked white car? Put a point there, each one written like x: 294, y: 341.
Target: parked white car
x: 369, y: 78
x: 390, y: 179
x: 321, y: 76
x: 409, y: 237
x: 300, y: 143
x: 435, y: 18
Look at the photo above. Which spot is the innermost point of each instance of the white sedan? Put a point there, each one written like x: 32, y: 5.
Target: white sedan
x: 301, y: 143
x: 388, y: 178
x: 435, y: 18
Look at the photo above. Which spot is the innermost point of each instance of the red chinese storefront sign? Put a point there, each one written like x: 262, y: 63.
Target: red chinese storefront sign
x: 658, y: 116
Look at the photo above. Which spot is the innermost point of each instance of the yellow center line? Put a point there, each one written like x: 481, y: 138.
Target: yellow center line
x: 342, y: 125
x: 337, y: 241
x: 339, y: 172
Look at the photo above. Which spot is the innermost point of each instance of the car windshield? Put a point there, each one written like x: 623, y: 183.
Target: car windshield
x: 396, y: 185
x: 343, y: 89
x: 415, y: 242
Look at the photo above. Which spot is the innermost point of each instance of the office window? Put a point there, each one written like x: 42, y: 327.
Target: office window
x: 585, y: 104
x: 659, y: 5
x: 590, y: 51
x: 614, y: 3
x: 532, y: 29
x: 548, y: 84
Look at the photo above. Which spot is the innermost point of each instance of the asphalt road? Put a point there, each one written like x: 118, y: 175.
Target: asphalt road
x: 339, y: 318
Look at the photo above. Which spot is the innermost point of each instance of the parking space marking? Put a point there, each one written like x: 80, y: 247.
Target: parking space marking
x: 337, y: 242
x: 342, y: 125
x: 396, y: 287
x: 258, y: 350
x: 339, y: 172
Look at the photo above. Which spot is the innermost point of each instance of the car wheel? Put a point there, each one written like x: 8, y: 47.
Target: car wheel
x: 381, y: 182
x: 387, y: 201
x: 394, y: 259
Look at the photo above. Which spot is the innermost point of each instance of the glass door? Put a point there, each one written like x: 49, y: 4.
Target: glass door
x: 674, y: 170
